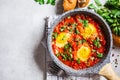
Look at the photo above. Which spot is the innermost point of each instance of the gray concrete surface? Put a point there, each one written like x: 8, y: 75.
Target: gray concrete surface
x: 21, y: 30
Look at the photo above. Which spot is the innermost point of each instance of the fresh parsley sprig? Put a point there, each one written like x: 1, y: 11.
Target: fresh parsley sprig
x: 110, y: 12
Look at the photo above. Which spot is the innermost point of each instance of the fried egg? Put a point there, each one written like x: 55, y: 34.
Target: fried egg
x: 83, y: 53
x: 89, y: 31
x: 62, y: 39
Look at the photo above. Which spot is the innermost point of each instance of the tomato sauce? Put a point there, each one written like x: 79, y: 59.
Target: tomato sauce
x: 78, y: 41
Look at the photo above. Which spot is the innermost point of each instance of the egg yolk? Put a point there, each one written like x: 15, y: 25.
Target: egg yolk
x: 62, y: 39
x: 83, y: 53
x: 89, y: 31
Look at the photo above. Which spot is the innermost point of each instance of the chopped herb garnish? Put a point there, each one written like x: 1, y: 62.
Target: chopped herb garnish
x: 77, y: 31
x: 58, y: 54
x: 97, y: 43
x: 85, y: 22
x: 78, y: 61
x: 70, y: 50
x: 99, y: 55
x: 62, y: 28
x: 54, y: 36
x: 74, y: 25
x: 82, y: 41
x: 69, y: 17
x: 67, y: 46
x: 70, y: 29
x: 64, y: 56
x: 70, y: 57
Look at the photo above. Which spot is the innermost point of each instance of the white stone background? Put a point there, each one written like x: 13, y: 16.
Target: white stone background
x: 22, y: 57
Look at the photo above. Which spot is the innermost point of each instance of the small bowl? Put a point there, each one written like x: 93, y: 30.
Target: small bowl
x: 106, y: 31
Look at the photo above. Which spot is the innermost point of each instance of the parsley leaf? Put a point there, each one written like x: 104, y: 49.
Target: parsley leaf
x: 91, y: 6
x: 52, y: 2
x: 40, y: 1
x: 98, y: 3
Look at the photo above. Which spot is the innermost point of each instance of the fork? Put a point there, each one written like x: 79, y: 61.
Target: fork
x: 56, y: 70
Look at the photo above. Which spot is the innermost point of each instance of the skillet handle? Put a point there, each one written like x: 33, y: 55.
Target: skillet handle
x: 108, y: 72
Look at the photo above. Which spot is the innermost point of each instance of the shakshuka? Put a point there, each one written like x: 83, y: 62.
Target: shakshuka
x: 78, y: 41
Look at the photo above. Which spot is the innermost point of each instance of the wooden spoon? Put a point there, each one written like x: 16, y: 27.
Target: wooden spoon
x: 108, y: 72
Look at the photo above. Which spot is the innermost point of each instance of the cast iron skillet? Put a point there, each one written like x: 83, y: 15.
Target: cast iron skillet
x: 106, y: 31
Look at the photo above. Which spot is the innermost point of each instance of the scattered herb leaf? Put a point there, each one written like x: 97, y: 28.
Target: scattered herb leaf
x: 52, y: 2
x: 40, y: 1
x: 69, y: 17
x: 98, y: 3
x: 77, y: 31
x: 78, y: 61
x: 99, y: 55
x: 54, y: 35
x: 82, y: 41
x: 85, y: 22
x: 58, y: 54
x: 62, y: 28
x: 97, y: 42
